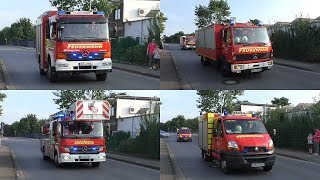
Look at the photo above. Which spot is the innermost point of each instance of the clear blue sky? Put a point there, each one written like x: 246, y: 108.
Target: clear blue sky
x: 184, y: 102
x: 181, y: 13
x: 19, y: 103
x: 12, y: 10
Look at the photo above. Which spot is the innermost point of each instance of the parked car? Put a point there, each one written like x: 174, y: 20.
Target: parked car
x: 164, y: 134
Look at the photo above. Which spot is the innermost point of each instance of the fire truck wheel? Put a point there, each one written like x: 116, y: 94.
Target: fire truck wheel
x: 95, y: 164
x: 223, y: 68
x: 224, y: 167
x: 52, y: 75
x: 204, y: 61
x: 42, y: 72
x: 45, y: 157
x: 101, y: 77
x: 267, y: 168
x: 56, y: 162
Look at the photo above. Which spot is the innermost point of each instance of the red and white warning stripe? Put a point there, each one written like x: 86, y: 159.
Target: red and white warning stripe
x: 79, y: 109
x: 105, y: 109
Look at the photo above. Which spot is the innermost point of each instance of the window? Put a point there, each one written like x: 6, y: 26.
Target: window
x: 219, y: 128
x: 117, y: 14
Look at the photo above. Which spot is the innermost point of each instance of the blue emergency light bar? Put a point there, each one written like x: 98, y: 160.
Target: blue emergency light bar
x: 259, y: 23
x: 62, y: 12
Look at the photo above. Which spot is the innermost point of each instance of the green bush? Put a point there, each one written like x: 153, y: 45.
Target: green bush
x: 292, y: 130
x: 301, y: 41
x: 116, y: 138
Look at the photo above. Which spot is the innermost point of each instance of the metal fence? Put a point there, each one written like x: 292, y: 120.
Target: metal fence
x: 20, y: 43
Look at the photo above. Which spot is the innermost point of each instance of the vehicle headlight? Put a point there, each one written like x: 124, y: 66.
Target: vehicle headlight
x: 232, y: 145
x: 270, y: 144
x: 237, y: 67
x: 66, y: 149
x: 101, y: 148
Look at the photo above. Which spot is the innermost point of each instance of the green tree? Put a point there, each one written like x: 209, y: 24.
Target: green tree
x: 217, y: 100
x: 102, y: 5
x: 2, y: 97
x: 156, y: 27
x: 214, y: 12
x: 66, y: 97
x: 255, y: 21
x: 175, y: 38
x: 280, y: 102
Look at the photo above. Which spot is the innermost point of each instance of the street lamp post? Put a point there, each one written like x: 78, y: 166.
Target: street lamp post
x: 6, y: 41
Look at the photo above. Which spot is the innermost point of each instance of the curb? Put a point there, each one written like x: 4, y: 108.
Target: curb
x: 179, y: 175
x: 136, y: 72
x: 293, y: 66
x: 133, y: 162
x: 19, y: 172
x: 184, y: 84
x: 7, y: 81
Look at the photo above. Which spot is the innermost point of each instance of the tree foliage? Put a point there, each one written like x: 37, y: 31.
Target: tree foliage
x: 102, y: 5
x: 214, y: 12
x: 280, y: 102
x: 156, y: 27
x: 23, y: 29
x: 176, y: 37
x: 178, y: 122
x: 2, y: 97
x: 299, y: 41
x: 217, y: 100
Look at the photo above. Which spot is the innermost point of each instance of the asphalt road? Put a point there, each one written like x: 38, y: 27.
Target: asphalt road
x: 23, y: 71
x: 209, y: 77
x: 30, y: 160
x: 188, y: 156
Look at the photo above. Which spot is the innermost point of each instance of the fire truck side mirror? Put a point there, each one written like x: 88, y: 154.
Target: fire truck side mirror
x: 61, y: 28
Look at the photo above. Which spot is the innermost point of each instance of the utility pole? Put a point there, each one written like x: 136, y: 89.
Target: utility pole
x: 90, y: 5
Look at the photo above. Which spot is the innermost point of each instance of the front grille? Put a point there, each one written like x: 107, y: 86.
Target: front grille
x: 253, y: 149
x: 81, y: 150
x: 246, y: 57
x: 91, y: 57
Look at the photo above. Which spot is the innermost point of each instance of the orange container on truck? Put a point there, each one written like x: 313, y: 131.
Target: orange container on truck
x: 73, y: 42
x: 235, y: 47
x: 235, y: 141
x: 76, y: 135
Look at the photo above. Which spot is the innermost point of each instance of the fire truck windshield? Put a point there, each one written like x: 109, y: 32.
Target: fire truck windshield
x: 250, y: 36
x: 75, y: 129
x: 244, y: 127
x: 191, y: 39
x: 97, y: 31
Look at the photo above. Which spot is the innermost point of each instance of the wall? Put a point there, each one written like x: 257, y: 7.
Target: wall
x: 123, y: 106
x: 137, y: 29
x: 129, y: 124
x: 131, y: 8
x: 247, y: 108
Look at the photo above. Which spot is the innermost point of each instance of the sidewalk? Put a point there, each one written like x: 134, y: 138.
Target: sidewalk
x: 169, y: 75
x: 149, y: 163
x: 313, y: 67
x: 142, y: 70
x: 302, y: 155
x: 7, y: 169
x: 166, y: 171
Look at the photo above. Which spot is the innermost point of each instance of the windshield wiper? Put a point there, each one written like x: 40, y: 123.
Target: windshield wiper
x: 254, y: 133
x: 96, y: 38
x: 259, y: 43
x: 69, y: 38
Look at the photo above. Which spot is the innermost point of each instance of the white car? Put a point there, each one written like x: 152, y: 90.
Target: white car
x: 164, y: 134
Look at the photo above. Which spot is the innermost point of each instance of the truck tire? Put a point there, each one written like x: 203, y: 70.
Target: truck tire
x: 205, y: 156
x: 56, y: 162
x: 267, y: 168
x: 223, y: 65
x: 42, y: 72
x: 95, y: 164
x: 204, y: 61
x: 52, y: 75
x: 101, y: 77
x: 224, y: 166
x: 45, y: 157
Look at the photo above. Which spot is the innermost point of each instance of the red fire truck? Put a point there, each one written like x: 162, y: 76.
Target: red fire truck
x: 235, y: 47
x: 235, y: 141
x: 187, y: 42
x: 76, y: 135
x: 73, y: 42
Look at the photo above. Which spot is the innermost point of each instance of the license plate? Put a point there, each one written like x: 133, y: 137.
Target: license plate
x: 256, y: 70
x: 85, y: 64
x: 257, y: 164
x: 84, y: 157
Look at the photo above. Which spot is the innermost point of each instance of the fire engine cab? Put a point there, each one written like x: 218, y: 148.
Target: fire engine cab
x: 76, y: 135
x: 73, y: 42
x: 235, y: 141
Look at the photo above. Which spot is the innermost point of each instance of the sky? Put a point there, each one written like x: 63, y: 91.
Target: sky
x: 11, y: 11
x: 19, y: 103
x: 184, y: 102
x: 181, y: 16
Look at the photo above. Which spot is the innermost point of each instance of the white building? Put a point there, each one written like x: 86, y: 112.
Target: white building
x: 257, y: 108
x: 127, y: 111
x: 132, y: 18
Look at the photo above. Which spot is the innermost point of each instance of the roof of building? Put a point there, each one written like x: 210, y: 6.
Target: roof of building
x: 302, y: 106
x: 257, y: 104
x: 137, y: 97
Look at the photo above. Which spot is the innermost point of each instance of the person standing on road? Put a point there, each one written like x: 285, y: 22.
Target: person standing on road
x: 150, y: 52
x: 310, y: 142
x: 316, y: 140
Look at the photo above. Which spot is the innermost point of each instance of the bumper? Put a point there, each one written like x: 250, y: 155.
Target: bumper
x: 252, y: 67
x: 238, y: 160
x: 72, y: 158
x: 189, y: 47
x: 83, y: 66
x: 184, y: 138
